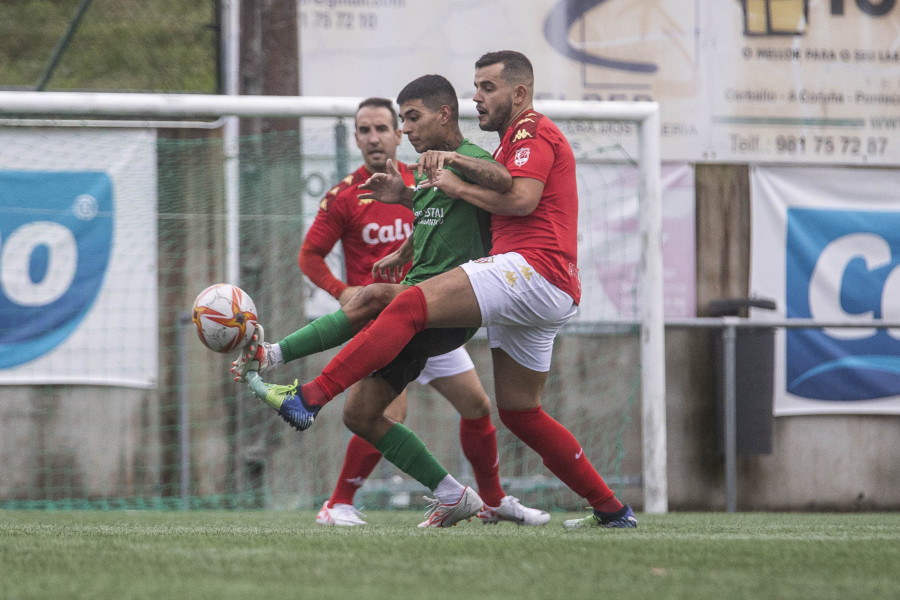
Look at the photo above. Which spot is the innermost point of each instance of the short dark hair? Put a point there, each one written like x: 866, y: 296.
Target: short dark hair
x: 381, y: 103
x: 517, y: 68
x: 434, y: 91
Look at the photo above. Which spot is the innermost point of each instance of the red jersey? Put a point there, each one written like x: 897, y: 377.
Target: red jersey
x: 367, y: 229
x: 548, y: 238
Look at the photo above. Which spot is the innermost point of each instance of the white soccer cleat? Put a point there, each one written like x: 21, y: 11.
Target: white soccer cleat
x: 512, y: 510
x: 342, y: 515
x: 256, y: 355
x: 448, y: 515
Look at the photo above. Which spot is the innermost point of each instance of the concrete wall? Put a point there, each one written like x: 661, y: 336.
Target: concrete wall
x: 817, y: 462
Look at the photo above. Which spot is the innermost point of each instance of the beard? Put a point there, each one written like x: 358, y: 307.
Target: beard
x: 499, y: 118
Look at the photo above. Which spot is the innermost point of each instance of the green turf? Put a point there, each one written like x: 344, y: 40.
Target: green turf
x: 284, y: 555
x: 163, y: 45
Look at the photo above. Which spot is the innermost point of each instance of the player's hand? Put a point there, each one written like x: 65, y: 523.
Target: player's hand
x: 386, y: 187
x: 444, y: 179
x: 432, y: 161
x: 391, y: 267
x: 348, y: 293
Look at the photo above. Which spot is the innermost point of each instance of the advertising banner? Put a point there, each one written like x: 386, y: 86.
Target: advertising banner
x: 78, y: 290
x: 807, y: 81
x: 814, y: 81
x: 826, y: 246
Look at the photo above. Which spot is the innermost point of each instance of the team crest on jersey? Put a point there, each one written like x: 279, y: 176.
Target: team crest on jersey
x: 521, y: 135
x: 522, y: 155
x: 486, y: 259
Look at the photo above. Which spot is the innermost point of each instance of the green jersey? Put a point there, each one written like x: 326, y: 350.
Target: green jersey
x: 447, y: 232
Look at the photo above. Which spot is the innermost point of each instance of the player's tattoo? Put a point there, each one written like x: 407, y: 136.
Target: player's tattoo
x: 486, y: 173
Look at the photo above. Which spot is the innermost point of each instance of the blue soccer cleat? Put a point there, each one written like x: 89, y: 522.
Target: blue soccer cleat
x: 624, y: 520
x: 286, y: 399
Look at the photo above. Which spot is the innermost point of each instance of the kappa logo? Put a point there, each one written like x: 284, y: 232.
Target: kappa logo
x: 526, y: 271
x: 365, y: 201
x: 522, y: 155
x: 521, y: 135
x: 842, y: 265
x: 511, y: 278
x: 525, y: 120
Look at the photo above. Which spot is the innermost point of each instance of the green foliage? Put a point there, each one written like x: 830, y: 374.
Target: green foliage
x: 119, y: 45
x: 284, y: 554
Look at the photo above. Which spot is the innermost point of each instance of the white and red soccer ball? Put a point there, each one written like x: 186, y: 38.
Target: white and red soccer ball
x: 225, y: 317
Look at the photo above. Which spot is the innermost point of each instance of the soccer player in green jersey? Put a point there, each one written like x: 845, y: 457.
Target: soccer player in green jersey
x: 447, y: 233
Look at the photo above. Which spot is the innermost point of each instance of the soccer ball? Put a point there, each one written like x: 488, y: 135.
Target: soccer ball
x: 225, y: 317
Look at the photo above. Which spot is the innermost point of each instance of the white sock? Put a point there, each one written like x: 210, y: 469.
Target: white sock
x: 277, y: 357
x: 449, y: 490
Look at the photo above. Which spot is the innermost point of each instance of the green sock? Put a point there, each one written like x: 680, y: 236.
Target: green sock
x: 404, y: 449
x: 325, y: 332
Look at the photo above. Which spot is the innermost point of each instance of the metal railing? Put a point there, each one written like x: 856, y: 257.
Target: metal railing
x: 729, y: 326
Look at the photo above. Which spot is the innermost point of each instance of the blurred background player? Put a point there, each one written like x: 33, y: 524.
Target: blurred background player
x: 368, y: 231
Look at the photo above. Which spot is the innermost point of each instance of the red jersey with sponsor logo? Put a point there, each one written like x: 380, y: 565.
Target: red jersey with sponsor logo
x: 367, y: 229
x: 548, y: 238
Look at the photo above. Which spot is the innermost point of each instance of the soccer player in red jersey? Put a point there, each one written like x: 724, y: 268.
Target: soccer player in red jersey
x: 368, y: 231
x: 524, y: 292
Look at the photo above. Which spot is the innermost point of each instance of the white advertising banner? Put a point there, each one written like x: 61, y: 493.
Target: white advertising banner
x: 78, y: 257
x: 826, y: 246
x: 737, y: 80
x: 813, y: 81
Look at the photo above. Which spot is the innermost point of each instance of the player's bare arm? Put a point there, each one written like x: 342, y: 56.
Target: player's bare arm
x: 519, y: 201
x: 486, y: 173
x: 388, y: 187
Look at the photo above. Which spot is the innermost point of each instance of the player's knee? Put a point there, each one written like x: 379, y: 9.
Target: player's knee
x: 372, y: 299
x: 357, y: 420
x: 475, y: 406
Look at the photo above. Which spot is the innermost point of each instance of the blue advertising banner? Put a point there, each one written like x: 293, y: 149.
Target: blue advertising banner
x: 78, y: 288
x: 57, y: 234
x: 826, y: 246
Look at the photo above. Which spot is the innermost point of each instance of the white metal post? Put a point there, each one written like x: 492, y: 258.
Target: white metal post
x: 231, y: 142
x: 653, y: 379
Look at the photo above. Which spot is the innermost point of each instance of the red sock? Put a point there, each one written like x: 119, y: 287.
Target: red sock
x: 562, y: 454
x: 359, y: 462
x: 478, y: 438
x: 371, y: 349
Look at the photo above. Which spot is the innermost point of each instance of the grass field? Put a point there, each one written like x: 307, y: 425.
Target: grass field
x: 164, y: 45
x: 285, y: 555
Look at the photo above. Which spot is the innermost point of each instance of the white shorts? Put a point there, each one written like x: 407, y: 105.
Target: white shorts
x: 446, y: 365
x: 522, y: 311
